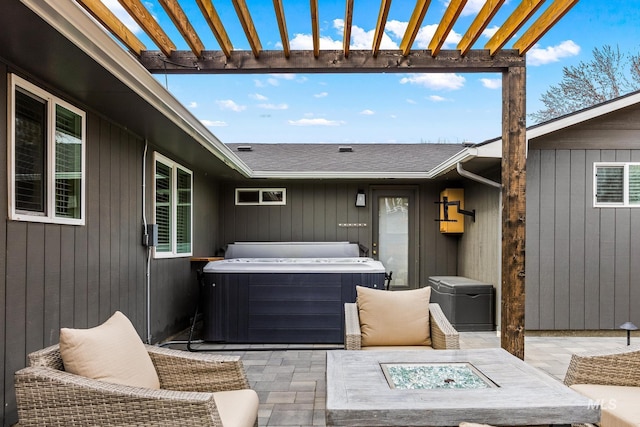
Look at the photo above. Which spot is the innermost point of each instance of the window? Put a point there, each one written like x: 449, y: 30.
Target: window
x: 261, y: 196
x: 173, y: 202
x: 617, y: 184
x: 46, y: 158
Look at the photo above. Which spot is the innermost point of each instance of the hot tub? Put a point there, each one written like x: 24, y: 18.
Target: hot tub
x: 273, y: 299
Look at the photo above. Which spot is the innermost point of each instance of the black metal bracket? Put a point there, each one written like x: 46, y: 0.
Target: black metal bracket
x: 446, y: 203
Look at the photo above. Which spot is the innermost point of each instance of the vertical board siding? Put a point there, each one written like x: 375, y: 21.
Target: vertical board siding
x: 532, y: 266
x: 562, y: 222
x: 577, y: 206
x: 318, y: 210
x: 479, y: 248
x: 581, y: 260
x: 3, y: 233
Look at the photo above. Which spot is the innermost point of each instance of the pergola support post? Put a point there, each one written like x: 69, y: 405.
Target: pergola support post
x: 514, y: 154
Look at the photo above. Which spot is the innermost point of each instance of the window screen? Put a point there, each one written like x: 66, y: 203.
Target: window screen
x: 30, y: 152
x: 610, y: 184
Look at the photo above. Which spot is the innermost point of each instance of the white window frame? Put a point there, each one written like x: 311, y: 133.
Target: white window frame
x: 260, y: 192
x: 51, y: 103
x: 625, y: 203
x: 173, y: 253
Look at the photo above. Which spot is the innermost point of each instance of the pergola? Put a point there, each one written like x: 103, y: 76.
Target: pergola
x: 464, y: 59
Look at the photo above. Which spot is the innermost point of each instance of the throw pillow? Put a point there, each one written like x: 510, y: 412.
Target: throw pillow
x: 111, y: 352
x: 394, y: 318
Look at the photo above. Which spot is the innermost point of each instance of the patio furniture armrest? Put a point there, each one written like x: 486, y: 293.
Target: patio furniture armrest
x: 352, y: 333
x: 443, y: 335
x: 186, y: 371
x: 608, y: 367
x: 48, y: 396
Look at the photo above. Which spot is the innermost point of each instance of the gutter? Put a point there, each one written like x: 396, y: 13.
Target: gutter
x: 478, y: 178
x: 71, y: 20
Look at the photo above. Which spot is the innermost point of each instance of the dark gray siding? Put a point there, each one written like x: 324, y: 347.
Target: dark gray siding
x: 582, y: 261
x: 480, y: 245
x: 54, y: 276
x: 315, y: 209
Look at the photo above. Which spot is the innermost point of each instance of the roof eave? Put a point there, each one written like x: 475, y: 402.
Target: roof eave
x: 338, y: 175
x: 582, y: 116
x: 70, y: 20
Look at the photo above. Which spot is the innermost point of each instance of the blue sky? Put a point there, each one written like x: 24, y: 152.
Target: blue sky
x: 377, y: 108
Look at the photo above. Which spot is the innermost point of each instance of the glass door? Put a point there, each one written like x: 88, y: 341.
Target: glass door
x: 394, y: 235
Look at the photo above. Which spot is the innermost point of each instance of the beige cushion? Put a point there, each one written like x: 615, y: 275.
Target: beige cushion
x: 619, y: 404
x: 394, y: 318
x: 111, y: 352
x: 237, y: 408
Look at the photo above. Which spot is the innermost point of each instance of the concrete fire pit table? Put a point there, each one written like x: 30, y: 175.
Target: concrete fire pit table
x: 505, y: 390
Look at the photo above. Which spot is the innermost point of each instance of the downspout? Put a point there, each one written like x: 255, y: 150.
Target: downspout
x: 478, y: 178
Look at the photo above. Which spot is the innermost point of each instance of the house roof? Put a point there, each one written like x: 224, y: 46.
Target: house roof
x: 344, y: 160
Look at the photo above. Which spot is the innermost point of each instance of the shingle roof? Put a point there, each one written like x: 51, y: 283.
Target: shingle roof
x: 331, y: 158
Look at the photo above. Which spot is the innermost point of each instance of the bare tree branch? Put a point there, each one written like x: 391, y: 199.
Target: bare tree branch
x: 608, y: 75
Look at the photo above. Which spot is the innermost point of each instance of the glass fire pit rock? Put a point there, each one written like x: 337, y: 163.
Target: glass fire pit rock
x: 428, y: 376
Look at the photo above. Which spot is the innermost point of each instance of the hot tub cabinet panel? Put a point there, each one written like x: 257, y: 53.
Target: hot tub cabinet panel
x: 278, y: 307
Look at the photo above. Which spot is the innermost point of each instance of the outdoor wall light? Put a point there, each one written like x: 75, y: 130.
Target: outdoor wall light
x: 628, y: 326
x: 361, y: 199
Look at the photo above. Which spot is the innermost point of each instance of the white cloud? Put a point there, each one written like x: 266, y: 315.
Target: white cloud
x: 491, y: 83
x: 489, y: 32
x: 472, y: 7
x: 274, y: 106
x: 228, y: 104
x: 321, y: 95
x: 284, y: 76
x: 258, y: 97
x: 538, y: 56
x: 436, y: 81
x: 193, y: 104
x: 436, y: 98
x: 305, y: 42
x: 367, y: 112
x: 411, y: 101
x: 213, y: 123
x: 315, y: 122
x: 121, y: 13
x: 424, y: 36
x: 360, y: 39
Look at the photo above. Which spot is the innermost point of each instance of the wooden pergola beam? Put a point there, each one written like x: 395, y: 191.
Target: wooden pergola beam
x: 111, y: 22
x: 482, y: 20
x: 217, y: 28
x: 282, y: 26
x: 150, y: 26
x: 382, y: 21
x: 331, y: 61
x: 315, y: 27
x: 547, y: 20
x: 514, y: 158
x: 446, y: 24
x: 514, y: 22
x: 414, y: 25
x: 247, y: 25
x: 180, y: 20
x: 348, y: 21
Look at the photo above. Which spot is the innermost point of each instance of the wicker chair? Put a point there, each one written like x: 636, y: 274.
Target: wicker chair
x: 47, y: 395
x: 619, y: 367
x: 443, y: 334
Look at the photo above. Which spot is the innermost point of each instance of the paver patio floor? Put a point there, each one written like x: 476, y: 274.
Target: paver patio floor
x: 291, y: 383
